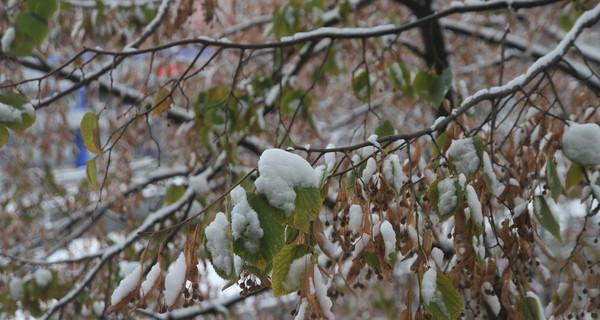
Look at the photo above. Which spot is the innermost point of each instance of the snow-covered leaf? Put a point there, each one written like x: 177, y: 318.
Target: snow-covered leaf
x: 218, y: 245
x: 175, y: 281
x: 465, y: 156
x: 15, y: 112
x: 152, y: 281
x: 440, y: 297
x: 446, y: 195
x: 127, y: 290
x: 545, y: 217
x: 580, y: 143
x: 289, y: 267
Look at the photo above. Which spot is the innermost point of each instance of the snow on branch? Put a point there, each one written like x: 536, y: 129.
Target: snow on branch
x: 115, y: 249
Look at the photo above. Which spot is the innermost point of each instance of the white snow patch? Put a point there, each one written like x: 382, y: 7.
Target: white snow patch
x: 175, y: 280
x: 474, y: 205
x: 581, y: 143
x: 151, y: 279
x: 280, y: 173
x: 272, y: 95
x: 438, y: 256
x: 7, y: 38
x: 488, y: 171
x: 373, y: 140
x: 301, y: 315
x: 320, y: 291
x: 463, y: 155
x: 9, y: 113
x: 43, y: 277
x: 218, y: 244
x: 126, y: 286
x: 429, y: 286
x: 244, y: 221
x: 199, y: 184
x: 15, y: 287
x: 447, y: 199
x: 355, y: 218
x: 296, y: 272
x: 392, y: 171
x: 369, y: 170
x: 330, y: 160
x: 98, y: 307
x: 389, y: 238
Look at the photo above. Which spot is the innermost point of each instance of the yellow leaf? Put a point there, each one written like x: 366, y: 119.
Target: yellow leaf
x: 90, y: 133
x: 162, y: 101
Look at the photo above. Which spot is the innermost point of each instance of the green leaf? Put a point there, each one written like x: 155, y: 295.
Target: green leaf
x: 90, y: 171
x: 385, y: 129
x: 448, y: 302
x: 281, y: 268
x: 545, y: 217
x: 90, y: 133
x: 162, y: 101
x: 308, y: 204
x: 32, y: 25
x: 423, y: 83
x: 441, y: 85
x: 173, y: 193
x: 42, y: 8
x: 3, y: 135
x: 272, y: 240
x: 529, y: 308
x: 361, y: 85
x: 372, y: 260
x: 440, y: 144
x: 575, y: 174
x: 552, y: 179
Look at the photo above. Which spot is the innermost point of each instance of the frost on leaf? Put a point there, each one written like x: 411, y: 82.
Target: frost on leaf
x: 127, y: 290
x: 219, y: 246
x: 245, y: 225
x: 463, y: 156
x: 280, y: 173
x: 175, y: 281
x: 580, y: 143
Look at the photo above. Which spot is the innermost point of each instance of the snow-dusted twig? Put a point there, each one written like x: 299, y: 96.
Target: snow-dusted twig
x: 115, y: 249
x: 586, y: 20
x: 574, y: 68
x: 148, y: 30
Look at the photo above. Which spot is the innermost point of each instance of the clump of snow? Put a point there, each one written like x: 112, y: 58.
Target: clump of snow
x: 369, y: 170
x: 199, y: 184
x: 474, y: 205
x: 244, y: 221
x: 580, y: 143
x: 373, y: 140
x: 355, y: 215
x: 151, y: 279
x: 429, y: 286
x: 320, y: 291
x: 9, y: 113
x: 98, y: 307
x: 43, y: 277
x: 389, y: 238
x: 280, y: 173
x: 175, y: 280
x: 463, y: 155
x: 7, y: 38
x: 296, y: 272
x: 126, y: 286
x: 488, y: 171
x: 438, y: 256
x: 330, y: 160
x: 218, y: 244
x: 15, y: 287
x: 447, y: 199
x: 392, y: 171
x: 301, y: 314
